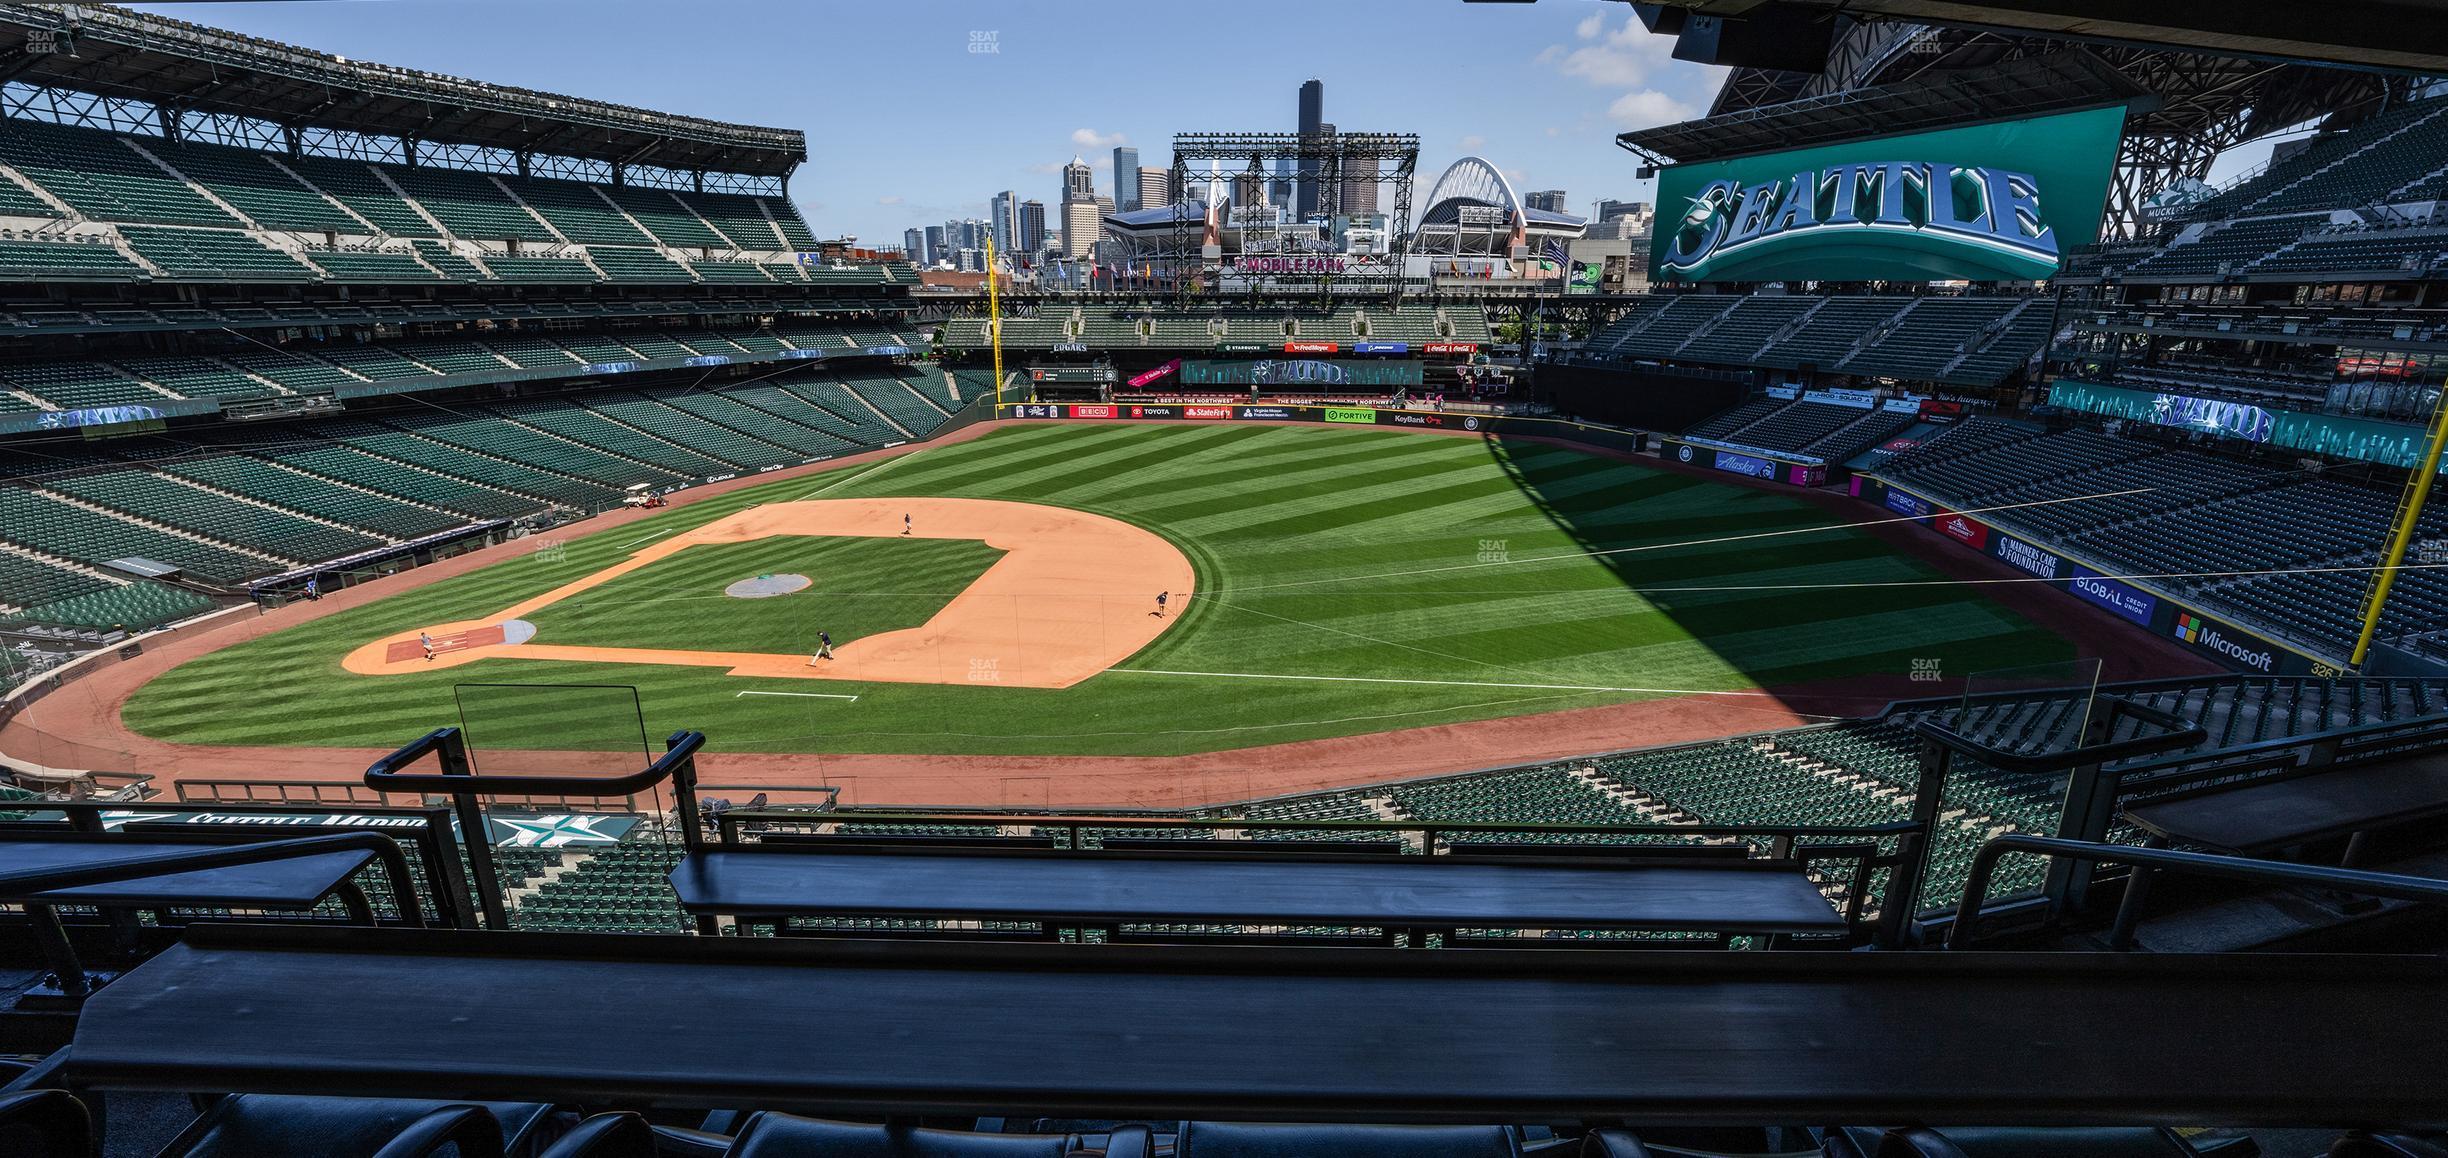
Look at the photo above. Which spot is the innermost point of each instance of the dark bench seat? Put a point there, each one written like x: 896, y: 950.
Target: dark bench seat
x: 885, y: 1028
x: 1755, y: 897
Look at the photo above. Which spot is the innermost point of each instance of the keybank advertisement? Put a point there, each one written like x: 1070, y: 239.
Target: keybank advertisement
x: 1994, y: 202
x: 2158, y: 614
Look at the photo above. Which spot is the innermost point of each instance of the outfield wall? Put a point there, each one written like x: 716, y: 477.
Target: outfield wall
x: 1749, y: 462
x: 2145, y: 605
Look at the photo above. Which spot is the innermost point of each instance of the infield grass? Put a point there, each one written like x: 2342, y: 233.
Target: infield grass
x: 1369, y: 580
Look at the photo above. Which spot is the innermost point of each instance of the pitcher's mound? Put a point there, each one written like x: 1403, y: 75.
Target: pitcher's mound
x: 767, y: 586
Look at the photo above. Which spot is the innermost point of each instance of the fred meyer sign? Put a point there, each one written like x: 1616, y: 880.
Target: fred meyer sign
x: 1994, y: 202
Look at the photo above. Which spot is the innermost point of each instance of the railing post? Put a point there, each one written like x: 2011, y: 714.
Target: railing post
x: 474, y: 836
x: 684, y: 795
x: 1912, y: 854
x: 2085, y: 814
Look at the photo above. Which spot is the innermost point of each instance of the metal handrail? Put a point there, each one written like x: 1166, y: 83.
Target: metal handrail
x: 457, y: 780
x: 2392, y: 886
x: 31, y: 882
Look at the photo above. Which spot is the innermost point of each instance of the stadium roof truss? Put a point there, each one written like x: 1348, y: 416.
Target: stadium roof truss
x: 115, y: 68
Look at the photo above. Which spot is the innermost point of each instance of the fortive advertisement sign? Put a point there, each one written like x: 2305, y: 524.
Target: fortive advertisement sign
x: 1351, y: 414
x: 1992, y: 202
x: 2102, y: 591
x: 1310, y: 347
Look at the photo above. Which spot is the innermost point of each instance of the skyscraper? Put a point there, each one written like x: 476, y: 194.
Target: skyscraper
x: 1006, y: 207
x: 1545, y: 200
x: 1032, y: 227
x: 1360, y: 178
x: 1155, y: 187
x: 1312, y: 116
x: 1126, y: 177
x: 913, y: 245
x: 1279, y: 190
x: 935, y: 247
x: 1082, y: 222
x: 1079, y: 182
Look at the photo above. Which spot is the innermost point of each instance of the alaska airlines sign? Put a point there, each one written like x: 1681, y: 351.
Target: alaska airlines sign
x: 1979, y: 216
x: 1993, y: 202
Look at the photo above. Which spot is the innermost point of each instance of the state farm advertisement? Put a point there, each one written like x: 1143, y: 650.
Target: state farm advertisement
x: 1207, y: 412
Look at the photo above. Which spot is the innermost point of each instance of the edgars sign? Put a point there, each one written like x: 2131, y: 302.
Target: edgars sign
x: 1993, y: 202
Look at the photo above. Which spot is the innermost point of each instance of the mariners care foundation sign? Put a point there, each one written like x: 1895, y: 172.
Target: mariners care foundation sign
x: 1992, y: 202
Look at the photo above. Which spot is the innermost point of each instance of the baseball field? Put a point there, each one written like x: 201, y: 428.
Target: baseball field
x: 996, y: 596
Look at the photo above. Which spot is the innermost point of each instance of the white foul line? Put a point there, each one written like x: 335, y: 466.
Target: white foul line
x: 635, y: 542
x: 1244, y: 675
x: 800, y: 695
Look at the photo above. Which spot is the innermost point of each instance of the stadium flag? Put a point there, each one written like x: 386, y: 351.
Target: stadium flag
x: 1553, y: 258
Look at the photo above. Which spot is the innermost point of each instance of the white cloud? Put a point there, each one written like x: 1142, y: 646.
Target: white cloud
x: 1589, y: 26
x: 1473, y: 141
x: 889, y: 199
x: 1648, y: 108
x: 1092, y: 139
x: 1553, y: 131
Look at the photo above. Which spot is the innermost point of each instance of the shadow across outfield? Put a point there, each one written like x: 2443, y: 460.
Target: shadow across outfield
x: 1830, y: 619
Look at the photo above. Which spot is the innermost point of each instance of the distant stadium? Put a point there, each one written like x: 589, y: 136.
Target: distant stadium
x: 1315, y: 641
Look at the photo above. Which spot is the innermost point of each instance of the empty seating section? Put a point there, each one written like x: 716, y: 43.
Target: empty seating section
x: 898, y: 401
x: 446, y: 259
x: 1659, y: 333
x: 569, y: 270
x: 17, y: 201
x: 368, y: 472
x: 373, y: 361
x: 2225, y: 248
x: 738, y: 217
x: 639, y: 265
x: 1798, y: 425
x: 371, y: 265
x: 574, y: 208
x: 58, y: 597
x: 254, y: 184
x: 726, y: 272
x: 1742, y: 332
x: 194, y: 377
x: 93, y: 259
x: 1928, y: 337
x: 1830, y: 333
x: 469, y: 204
x: 264, y: 482
x: 854, y: 420
x: 72, y: 385
x: 752, y: 421
x: 100, y: 176
x: 741, y: 451
x: 1727, y: 424
x: 451, y: 355
x: 2365, y: 248
x: 212, y: 515
x: 656, y: 460
x: 296, y: 370
x: 663, y: 215
x: 52, y: 524
x: 211, y: 255
x: 588, y: 474
x: 531, y: 353
x: 2278, y: 549
x: 2388, y: 150
x: 356, y: 185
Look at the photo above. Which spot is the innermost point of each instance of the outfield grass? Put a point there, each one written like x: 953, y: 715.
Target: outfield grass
x: 858, y: 587
x: 1475, y: 574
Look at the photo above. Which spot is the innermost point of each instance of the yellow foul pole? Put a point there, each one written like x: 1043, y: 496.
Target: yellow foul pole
x: 2409, y: 512
x: 994, y: 322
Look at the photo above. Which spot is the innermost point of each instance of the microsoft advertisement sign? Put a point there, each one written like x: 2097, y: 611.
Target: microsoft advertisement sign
x: 1992, y: 202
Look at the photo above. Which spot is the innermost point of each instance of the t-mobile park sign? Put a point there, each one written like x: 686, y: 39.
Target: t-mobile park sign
x: 1267, y: 263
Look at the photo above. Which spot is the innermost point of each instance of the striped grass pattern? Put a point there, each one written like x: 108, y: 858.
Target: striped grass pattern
x: 1351, y: 581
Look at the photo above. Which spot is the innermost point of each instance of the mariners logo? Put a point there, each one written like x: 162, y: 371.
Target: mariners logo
x: 1684, y: 453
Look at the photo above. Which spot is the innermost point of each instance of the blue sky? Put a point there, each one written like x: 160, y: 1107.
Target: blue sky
x: 907, y: 126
